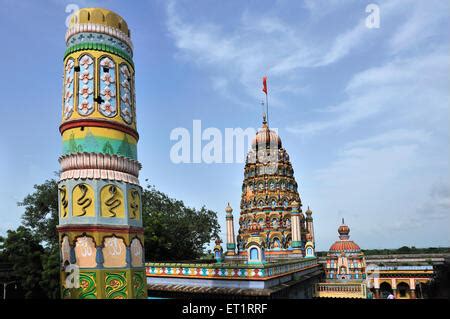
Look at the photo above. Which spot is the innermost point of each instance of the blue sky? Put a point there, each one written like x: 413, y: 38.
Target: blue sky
x: 363, y: 113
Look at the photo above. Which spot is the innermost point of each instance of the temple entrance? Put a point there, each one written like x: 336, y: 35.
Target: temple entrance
x: 403, y: 291
x: 254, y: 255
x: 385, y: 290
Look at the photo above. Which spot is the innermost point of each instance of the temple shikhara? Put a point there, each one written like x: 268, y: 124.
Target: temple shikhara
x: 272, y: 254
x: 271, y: 218
x: 100, y: 224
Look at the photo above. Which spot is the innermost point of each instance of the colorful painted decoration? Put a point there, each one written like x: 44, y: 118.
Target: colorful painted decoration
x: 88, y: 285
x: 134, y: 202
x: 114, y: 252
x: 139, y: 285
x: 112, y: 201
x: 85, y: 252
x: 86, y: 85
x: 126, y: 97
x: 65, y: 251
x: 64, y: 202
x: 99, y: 140
x: 83, y: 201
x: 68, y: 88
x: 136, y: 253
x: 97, y: 38
x: 107, y: 78
x: 99, y: 177
x: 116, y: 285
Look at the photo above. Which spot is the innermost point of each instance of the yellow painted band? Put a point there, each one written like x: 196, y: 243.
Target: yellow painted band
x: 77, y: 133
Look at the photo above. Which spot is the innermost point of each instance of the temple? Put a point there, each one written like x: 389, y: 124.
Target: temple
x: 100, y: 225
x: 271, y: 219
x: 273, y: 253
x: 345, y: 269
x: 101, y: 237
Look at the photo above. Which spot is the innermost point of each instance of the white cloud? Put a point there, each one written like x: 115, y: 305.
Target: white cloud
x: 422, y: 22
x: 389, y: 188
x: 407, y: 88
x: 258, y: 45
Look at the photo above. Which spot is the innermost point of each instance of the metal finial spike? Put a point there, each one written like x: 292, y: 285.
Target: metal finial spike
x: 343, y: 221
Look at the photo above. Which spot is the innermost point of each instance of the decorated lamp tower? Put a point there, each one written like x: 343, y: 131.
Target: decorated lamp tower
x: 100, y: 214
x: 231, y: 245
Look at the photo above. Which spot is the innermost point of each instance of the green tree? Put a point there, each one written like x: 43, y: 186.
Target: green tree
x: 41, y: 212
x: 23, y: 251
x: 174, y: 231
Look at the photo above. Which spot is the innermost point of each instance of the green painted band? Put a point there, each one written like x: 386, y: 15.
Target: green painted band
x: 99, y: 47
x: 296, y: 244
x: 101, y: 145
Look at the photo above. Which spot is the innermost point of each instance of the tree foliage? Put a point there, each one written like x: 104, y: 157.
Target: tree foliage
x: 23, y: 251
x: 174, y: 231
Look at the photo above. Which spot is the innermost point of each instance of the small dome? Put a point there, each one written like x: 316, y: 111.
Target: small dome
x: 99, y: 16
x: 343, y: 230
x: 308, y: 211
x: 345, y: 245
x: 228, y: 209
x: 266, y: 138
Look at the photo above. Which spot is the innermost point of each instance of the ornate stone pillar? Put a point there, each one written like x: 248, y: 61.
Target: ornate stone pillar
x: 231, y: 244
x: 296, y: 228
x: 100, y: 213
x: 310, y: 224
x: 412, y: 288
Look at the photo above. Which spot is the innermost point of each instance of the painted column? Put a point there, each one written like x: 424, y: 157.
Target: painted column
x: 412, y: 288
x: 394, y: 287
x: 296, y: 228
x: 100, y: 213
x: 231, y: 244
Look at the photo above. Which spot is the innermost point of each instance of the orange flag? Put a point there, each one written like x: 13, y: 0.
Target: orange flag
x: 264, y: 89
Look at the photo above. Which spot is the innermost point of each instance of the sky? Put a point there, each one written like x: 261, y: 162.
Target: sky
x: 363, y: 112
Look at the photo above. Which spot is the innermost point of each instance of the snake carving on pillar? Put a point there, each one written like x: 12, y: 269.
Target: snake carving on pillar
x: 84, y: 201
x: 64, y: 201
x: 134, y: 205
x: 113, y: 202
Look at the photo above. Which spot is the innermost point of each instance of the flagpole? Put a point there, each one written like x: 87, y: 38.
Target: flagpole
x: 267, y: 110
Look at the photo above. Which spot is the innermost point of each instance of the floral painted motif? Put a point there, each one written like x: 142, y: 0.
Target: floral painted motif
x: 108, y: 106
x: 68, y: 89
x: 86, y: 85
x: 126, y: 102
x: 116, y: 285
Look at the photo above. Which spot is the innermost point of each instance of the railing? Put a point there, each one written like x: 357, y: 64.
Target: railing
x: 340, y: 290
x: 230, y: 270
x: 404, y: 268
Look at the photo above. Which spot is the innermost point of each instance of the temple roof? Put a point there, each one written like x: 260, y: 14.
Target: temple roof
x: 99, y: 16
x: 344, y: 244
x: 266, y: 138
